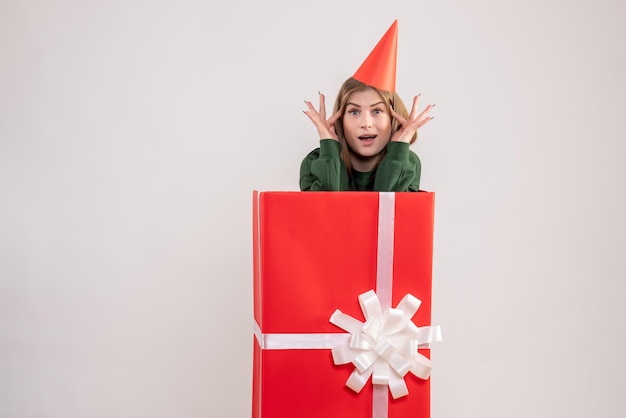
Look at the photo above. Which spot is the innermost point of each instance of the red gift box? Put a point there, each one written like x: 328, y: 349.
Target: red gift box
x: 314, y: 253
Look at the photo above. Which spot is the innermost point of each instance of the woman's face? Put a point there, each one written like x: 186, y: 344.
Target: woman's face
x: 367, y: 128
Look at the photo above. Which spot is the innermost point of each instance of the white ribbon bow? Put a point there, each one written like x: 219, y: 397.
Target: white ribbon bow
x: 385, y: 345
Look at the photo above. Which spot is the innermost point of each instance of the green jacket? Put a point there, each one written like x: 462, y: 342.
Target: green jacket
x: 323, y: 169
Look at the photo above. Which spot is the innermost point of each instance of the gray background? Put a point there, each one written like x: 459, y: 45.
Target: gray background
x: 133, y: 132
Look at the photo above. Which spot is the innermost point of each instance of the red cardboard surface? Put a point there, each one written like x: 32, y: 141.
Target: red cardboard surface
x: 315, y: 252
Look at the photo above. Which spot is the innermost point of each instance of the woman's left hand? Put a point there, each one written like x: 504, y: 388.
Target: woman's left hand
x: 408, y: 127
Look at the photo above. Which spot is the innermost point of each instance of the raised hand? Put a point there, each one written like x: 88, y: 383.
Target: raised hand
x: 325, y: 127
x: 415, y: 121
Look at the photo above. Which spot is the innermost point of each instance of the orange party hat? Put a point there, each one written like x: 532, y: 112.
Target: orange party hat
x: 379, y: 68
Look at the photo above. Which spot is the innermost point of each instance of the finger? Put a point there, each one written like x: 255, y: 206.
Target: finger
x: 414, y: 108
x: 331, y: 121
x: 313, y: 115
x: 417, y: 124
x: 311, y: 109
x: 309, y: 105
x: 322, y: 106
x: 425, y: 121
x: 419, y: 121
x: 425, y: 112
x: 398, y: 117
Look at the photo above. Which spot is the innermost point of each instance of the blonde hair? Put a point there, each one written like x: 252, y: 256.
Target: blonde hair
x: 391, y: 101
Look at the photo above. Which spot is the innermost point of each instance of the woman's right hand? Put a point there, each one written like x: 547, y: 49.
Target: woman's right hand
x: 325, y: 127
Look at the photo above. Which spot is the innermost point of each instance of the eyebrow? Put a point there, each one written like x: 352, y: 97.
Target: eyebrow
x: 372, y: 105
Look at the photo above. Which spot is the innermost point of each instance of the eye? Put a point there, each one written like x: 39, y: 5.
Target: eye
x: 352, y: 112
x: 378, y: 111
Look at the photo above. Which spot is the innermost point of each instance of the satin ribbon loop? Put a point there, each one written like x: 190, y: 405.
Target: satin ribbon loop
x: 394, y: 321
x: 342, y: 354
x: 397, y: 387
x: 372, y: 327
x: 362, y: 341
x: 427, y: 335
x: 357, y: 380
x: 370, y: 305
x: 365, y: 360
x: 400, y: 364
x: 345, y: 322
x: 381, y: 373
x: 409, y: 305
x: 421, y: 366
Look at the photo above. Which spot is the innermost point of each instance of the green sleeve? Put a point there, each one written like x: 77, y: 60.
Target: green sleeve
x: 323, y: 168
x: 399, y: 170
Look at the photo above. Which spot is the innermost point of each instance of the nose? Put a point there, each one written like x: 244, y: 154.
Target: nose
x: 366, y: 120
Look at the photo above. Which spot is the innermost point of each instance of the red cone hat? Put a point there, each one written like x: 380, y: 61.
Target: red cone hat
x: 379, y: 68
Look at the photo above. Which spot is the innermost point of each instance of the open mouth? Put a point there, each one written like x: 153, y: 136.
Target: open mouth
x: 367, y: 138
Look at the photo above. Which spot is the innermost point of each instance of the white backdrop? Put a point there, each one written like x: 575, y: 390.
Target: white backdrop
x: 133, y: 132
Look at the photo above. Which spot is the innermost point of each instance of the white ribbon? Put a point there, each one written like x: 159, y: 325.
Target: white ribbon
x: 385, y: 345
x: 384, y: 256
x: 299, y: 341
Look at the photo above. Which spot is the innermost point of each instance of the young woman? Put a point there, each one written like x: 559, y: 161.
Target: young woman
x: 364, y: 145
